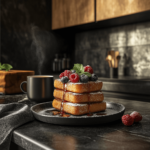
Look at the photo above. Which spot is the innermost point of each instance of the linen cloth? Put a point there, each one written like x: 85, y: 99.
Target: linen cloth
x: 12, y: 116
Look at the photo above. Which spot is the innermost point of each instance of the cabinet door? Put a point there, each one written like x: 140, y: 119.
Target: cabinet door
x: 106, y: 9
x: 66, y: 13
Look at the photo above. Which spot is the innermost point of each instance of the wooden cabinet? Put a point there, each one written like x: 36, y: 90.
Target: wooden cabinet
x: 66, y: 13
x: 107, y: 9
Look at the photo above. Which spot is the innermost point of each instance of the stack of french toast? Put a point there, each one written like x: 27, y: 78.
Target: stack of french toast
x: 77, y: 92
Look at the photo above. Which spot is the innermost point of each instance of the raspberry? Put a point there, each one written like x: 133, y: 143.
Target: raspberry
x: 93, y: 77
x: 67, y: 73
x: 64, y: 79
x: 74, y: 77
x: 88, y: 69
x: 61, y: 75
x: 127, y: 120
x: 136, y: 116
x: 84, y: 78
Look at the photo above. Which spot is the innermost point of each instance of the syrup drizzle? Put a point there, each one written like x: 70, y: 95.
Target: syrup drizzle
x: 66, y: 115
x: 89, y: 113
x: 55, y: 112
x: 62, y: 101
x: 58, y: 112
x: 62, y: 114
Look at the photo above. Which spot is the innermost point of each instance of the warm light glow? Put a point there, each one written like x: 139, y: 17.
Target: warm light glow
x: 109, y: 57
x: 113, y: 59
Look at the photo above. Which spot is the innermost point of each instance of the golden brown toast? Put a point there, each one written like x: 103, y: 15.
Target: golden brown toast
x: 79, y: 109
x: 78, y: 87
x: 10, y: 80
x: 78, y: 97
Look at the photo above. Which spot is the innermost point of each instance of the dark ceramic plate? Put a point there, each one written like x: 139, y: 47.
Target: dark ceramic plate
x: 43, y: 113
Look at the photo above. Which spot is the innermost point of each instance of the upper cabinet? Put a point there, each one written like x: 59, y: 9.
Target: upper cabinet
x: 107, y: 9
x: 66, y: 13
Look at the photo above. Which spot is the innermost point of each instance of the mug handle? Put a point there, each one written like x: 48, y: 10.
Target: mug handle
x: 21, y: 86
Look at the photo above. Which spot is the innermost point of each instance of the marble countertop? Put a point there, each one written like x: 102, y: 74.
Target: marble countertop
x: 37, y: 135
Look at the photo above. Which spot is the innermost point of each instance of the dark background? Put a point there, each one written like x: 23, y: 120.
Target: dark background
x: 28, y: 43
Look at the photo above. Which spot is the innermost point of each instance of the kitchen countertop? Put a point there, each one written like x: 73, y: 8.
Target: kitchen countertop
x: 37, y: 135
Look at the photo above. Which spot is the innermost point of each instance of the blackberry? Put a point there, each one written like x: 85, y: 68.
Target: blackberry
x: 84, y: 78
x: 93, y: 77
x: 73, y: 71
x: 64, y: 79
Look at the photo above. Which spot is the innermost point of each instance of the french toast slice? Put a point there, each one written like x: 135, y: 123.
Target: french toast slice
x: 77, y: 108
x: 78, y: 87
x: 78, y: 97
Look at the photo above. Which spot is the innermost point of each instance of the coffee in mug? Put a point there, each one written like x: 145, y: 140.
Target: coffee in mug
x: 39, y: 88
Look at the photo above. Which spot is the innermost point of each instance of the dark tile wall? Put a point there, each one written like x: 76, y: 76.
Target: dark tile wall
x: 27, y: 42
x: 91, y: 48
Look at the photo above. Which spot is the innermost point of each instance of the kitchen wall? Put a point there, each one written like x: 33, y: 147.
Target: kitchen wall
x: 27, y: 42
x: 132, y: 41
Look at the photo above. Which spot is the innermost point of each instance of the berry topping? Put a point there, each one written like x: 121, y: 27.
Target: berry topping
x: 61, y: 75
x: 127, y: 120
x: 74, y: 77
x: 84, y: 78
x: 93, y: 77
x: 67, y: 73
x: 136, y: 116
x: 64, y: 79
x: 73, y: 71
x: 88, y: 69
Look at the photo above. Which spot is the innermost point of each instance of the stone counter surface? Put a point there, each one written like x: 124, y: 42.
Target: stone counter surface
x: 37, y: 135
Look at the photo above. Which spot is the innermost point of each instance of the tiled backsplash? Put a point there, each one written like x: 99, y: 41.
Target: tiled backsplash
x: 91, y: 48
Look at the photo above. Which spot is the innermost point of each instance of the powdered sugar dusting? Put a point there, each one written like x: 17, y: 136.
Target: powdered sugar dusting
x: 92, y: 93
x: 69, y: 82
x: 75, y: 104
x: 79, y: 87
x: 76, y: 93
x: 65, y: 86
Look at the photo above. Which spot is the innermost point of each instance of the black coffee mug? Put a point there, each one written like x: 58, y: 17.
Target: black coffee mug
x: 39, y: 88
